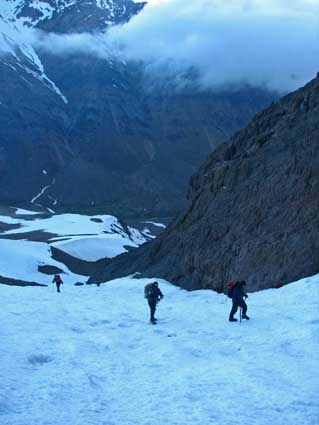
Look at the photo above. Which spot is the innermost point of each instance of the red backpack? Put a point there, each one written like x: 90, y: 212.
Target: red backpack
x: 230, y: 286
x: 57, y: 280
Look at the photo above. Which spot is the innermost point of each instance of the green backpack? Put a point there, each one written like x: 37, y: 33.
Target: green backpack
x: 149, y: 290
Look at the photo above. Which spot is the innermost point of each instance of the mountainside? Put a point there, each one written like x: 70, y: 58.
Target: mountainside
x: 78, y: 120
x: 253, y: 212
x: 67, y: 16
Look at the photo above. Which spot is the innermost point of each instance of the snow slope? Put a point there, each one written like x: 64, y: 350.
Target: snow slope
x: 93, y: 248
x: 88, y: 238
x: 88, y: 356
x: 20, y: 260
x: 19, y: 56
x: 67, y: 224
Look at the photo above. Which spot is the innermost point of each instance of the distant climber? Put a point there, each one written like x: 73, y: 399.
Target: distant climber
x: 58, y: 281
x: 153, y: 295
x: 237, y: 294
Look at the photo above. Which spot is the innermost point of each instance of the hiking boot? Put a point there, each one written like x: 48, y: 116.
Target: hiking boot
x: 244, y: 316
x: 232, y: 319
x: 153, y: 321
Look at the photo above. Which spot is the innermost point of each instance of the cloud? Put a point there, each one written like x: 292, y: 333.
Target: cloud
x: 70, y: 44
x: 268, y: 43
x: 273, y: 43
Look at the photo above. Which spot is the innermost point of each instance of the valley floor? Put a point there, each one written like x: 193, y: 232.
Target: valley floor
x: 88, y: 356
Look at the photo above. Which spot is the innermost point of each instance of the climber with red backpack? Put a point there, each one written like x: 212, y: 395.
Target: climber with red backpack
x: 58, y: 281
x: 235, y: 291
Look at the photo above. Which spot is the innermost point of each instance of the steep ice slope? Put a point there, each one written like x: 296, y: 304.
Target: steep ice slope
x: 88, y: 356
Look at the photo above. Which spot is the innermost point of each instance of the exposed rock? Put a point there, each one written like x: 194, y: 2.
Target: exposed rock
x: 36, y: 236
x: 253, y: 211
x: 50, y: 270
x: 76, y: 265
x: 17, y: 282
x: 6, y: 226
x: 96, y: 220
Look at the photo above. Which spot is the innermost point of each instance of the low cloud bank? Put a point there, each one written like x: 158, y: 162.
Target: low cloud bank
x: 265, y: 43
x: 269, y: 43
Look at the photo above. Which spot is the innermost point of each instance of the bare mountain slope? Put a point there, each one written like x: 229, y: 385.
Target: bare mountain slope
x: 83, y: 132
x: 254, y: 208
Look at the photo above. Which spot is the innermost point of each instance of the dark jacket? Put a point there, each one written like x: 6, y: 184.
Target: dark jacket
x: 155, y: 295
x: 238, y: 292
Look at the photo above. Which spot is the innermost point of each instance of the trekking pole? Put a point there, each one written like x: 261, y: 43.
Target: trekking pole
x: 240, y: 314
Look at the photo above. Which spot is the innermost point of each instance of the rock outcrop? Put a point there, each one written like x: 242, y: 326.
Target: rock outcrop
x: 253, y: 210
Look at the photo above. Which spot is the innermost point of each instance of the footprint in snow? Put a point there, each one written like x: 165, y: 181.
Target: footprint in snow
x: 5, y: 405
x: 39, y: 359
x: 191, y: 332
x: 77, y: 330
x: 124, y: 325
x: 100, y: 322
x: 96, y: 381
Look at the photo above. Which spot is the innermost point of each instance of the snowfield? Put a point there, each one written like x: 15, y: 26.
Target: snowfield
x: 88, y: 356
x: 67, y: 224
x: 88, y: 238
x: 20, y: 260
x: 93, y: 248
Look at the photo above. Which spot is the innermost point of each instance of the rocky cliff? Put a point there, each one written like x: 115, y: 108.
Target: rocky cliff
x: 253, y: 211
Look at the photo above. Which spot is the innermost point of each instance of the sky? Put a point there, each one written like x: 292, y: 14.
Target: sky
x: 268, y: 43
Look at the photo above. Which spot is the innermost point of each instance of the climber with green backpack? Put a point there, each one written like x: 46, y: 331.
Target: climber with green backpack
x: 153, y: 295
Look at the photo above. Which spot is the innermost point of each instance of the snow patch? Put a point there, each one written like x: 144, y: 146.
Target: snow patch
x: 12, y: 43
x: 20, y: 260
x: 21, y: 211
x: 93, y: 248
x: 42, y: 191
x: 155, y: 224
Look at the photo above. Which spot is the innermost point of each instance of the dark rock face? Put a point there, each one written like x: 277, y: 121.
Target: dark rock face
x: 87, y: 132
x: 50, y: 270
x: 254, y: 208
x: 17, y: 282
x: 76, y: 265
